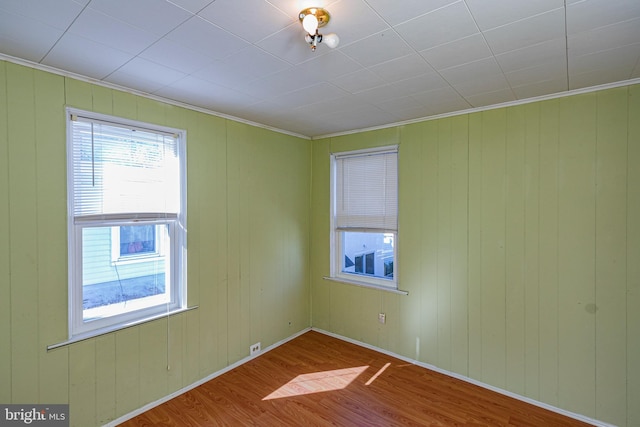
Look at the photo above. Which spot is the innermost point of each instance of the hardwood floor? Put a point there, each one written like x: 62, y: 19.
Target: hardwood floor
x: 317, y: 380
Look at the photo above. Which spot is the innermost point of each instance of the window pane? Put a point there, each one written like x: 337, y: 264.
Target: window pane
x: 137, y: 239
x: 110, y: 288
x: 369, y: 269
x: 368, y: 254
x: 366, y: 193
x: 359, y: 265
x: 117, y: 169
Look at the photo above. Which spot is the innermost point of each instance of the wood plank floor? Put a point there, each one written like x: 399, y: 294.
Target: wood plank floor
x: 317, y: 380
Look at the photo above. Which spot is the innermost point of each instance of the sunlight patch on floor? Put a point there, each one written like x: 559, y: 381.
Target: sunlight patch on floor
x: 318, y: 382
x: 377, y: 374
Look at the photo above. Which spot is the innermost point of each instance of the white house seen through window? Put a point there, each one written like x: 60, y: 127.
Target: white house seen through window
x: 126, y: 190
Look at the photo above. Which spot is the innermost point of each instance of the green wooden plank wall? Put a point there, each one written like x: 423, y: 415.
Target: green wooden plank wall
x: 248, y: 240
x: 519, y: 247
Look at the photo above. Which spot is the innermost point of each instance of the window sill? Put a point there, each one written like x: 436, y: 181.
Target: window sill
x: 137, y: 259
x: 114, y: 328
x: 366, y: 285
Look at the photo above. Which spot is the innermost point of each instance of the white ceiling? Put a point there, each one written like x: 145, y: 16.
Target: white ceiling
x: 398, y: 60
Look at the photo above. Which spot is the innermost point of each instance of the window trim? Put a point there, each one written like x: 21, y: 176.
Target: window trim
x: 78, y: 329
x: 335, y: 243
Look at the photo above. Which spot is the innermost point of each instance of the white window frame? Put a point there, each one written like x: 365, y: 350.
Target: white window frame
x: 133, y: 314
x: 336, y: 244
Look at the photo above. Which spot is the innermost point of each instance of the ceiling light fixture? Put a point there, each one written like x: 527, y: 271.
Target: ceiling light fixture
x: 313, y: 18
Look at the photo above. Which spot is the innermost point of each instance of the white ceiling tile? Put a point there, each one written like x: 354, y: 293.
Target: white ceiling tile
x: 625, y: 57
x: 470, y: 71
x: 203, y: 94
x: 202, y: 36
x: 549, y: 53
x: 494, y: 13
x: 345, y: 102
x: 276, y: 84
x: 402, y: 68
x: 290, y: 45
x: 441, y: 26
x: 524, y: 76
x: 592, y: 14
x: 220, y: 72
x: 379, y: 93
x: 251, y: 20
x: 358, y: 118
x: 32, y: 44
x: 58, y: 14
x: 247, y: 59
x: 176, y: 56
x: 106, y: 30
x: 478, y: 86
x: 309, y: 95
x: 266, y: 112
x: 541, y: 88
x: 353, y: 20
x: 598, y: 77
x: 441, y: 100
x: 293, y: 7
x: 358, y: 81
x: 392, y: 105
x: 477, y: 77
x: 458, y: 52
x: 378, y: 48
x: 240, y: 67
x: 412, y: 113
x: 605, y: 38
x: 526, y: 32
x: 427, y: 81
x: 491, y: 98
x: 135, y: 73
x: 410, y: 9
x: 400, y: 88
x: 85, y: 57
x: 327, y: 67
x: 193, y: 6
x: 157, y: 17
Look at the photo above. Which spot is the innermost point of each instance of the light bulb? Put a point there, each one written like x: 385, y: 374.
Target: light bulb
x: 310, y: 23
x: 331, y: 40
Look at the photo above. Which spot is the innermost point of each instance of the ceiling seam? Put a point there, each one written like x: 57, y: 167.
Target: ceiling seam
x: 63, y: 34
x: 493, y: 54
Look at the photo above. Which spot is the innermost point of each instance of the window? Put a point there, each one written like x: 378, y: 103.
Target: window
x: 364, y: 206
x: 127, y: 239
x: 136, y: 242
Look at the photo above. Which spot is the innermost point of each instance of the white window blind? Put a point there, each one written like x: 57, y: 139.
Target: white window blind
x: 367, y: 191
x: 123, y: 170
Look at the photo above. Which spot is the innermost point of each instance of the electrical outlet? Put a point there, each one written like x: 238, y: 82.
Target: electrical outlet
x: 254, y: 349
x: 382, y: 318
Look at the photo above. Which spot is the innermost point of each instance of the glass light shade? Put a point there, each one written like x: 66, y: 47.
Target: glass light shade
x: 331, y: 40
x: 310, y: 23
